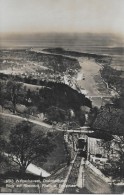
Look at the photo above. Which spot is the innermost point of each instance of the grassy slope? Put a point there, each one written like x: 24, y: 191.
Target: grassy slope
x: 57, y: 157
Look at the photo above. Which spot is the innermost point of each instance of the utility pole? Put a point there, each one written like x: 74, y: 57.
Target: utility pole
x: 88, y: 149
x: 40, y: 184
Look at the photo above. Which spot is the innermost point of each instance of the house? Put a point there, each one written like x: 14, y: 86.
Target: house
x: 37, y: 171
x: 95, y: 149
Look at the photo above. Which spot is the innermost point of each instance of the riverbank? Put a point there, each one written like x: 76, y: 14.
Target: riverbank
x: 89, y: 79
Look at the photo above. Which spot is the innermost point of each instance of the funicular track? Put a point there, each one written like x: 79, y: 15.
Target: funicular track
x: 73, y: 177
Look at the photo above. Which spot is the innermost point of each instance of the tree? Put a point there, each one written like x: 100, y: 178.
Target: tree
x: 3, y: 159
x: 118, y: 102
x: 92, y: 115
x: 80, y: 116
x: 27, y: 145
x: 2, y: 94
x: 2, y: 140
x: 56, y: 114
x: 14, y: 91
x: 110, y: 119
x: 119, y: 146
x: 115, y: 150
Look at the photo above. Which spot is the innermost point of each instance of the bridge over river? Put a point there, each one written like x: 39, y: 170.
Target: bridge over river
x: 99, y: 100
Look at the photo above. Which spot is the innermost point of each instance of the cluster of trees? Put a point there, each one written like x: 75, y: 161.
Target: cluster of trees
x: 63, y: 96
x: 72, y: 119
x: 44, y: 100
x: 110, y: 118
x: 11, y: 94
x: 25, y: 146
x: 115, y: 147
x: 113, y: 78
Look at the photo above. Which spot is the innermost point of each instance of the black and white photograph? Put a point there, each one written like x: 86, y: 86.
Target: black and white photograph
x: 62, y: 96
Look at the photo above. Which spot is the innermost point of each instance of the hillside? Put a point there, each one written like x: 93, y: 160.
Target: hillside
x: 57, y: 157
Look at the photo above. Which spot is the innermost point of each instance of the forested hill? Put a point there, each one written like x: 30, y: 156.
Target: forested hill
x: 51, y: 94
x: 97, y: 57
x: 63, y: 96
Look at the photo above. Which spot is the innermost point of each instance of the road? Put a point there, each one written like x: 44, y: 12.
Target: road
x: 30, y: 120
x: 82, y: 130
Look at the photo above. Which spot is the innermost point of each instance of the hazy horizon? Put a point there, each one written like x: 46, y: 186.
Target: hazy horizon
x: 61, y: 39
x: 62, y: 16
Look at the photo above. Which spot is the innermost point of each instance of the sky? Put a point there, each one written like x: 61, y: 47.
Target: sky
x: 24, y: 16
